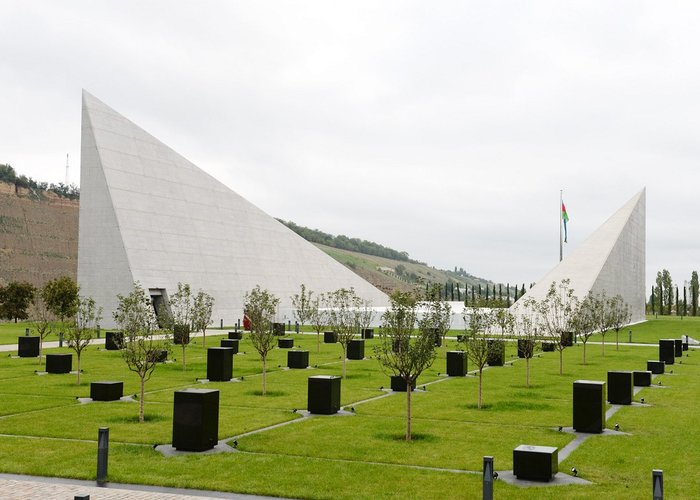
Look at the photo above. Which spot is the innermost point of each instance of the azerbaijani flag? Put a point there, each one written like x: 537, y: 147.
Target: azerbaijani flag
x: 565, y: 218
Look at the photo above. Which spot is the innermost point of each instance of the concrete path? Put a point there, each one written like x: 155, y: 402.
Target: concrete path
x: 19, y: 487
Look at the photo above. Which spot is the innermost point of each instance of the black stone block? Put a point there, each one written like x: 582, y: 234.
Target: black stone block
x: 324, y: 394
x: 160, y: 356
x: 435, y: 332
x: 181, y: 334
x: 461, y: 338
x: 330, y: 337
x: 656, y: 367
x: 620, y: 388
x: 685, y: 346
x: 297, y: 359
x: 548, y: 346
x: 641, y: 378
x: 525, y: 348
x: 399, y: 344
x: 398, y: 384
x: 367, y: 333
x: 535, y: 463
x: 667, y: 351
x: 285, y: 343
x: 356, y: 349
x: 59, y: 363
x: 678, y: 345
x: 567, y: 339
x: 195, y: 419
x: 497, y: 352
x: 219, y: 364
x: 28, y: 347
x: 278, y: 329
x: 106, y: 390
x: 232, y: 343
x: 114, y: 341
x: 589, y: 406
x: 456, y: 363
x: 235, y: 335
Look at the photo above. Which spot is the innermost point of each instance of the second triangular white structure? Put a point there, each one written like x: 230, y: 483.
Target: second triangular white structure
x: 612, y: 259
x: 149, y: 215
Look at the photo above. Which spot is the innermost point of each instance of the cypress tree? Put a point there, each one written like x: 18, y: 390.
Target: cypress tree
x: 487, y: 293
x: 479, y: 290
x: 522, y: 290
x: 685, y: 301
x: 473, y: 299
x: 653, y: 308
x: 508, y: 294
x: 516, y: 294
x: 677, y: 303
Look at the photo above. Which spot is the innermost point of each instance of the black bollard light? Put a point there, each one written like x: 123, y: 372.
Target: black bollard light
x: 222, y: 323
x: 60, y: 339
x: 26, y: 332
x: 657, y: 484
x: 102, y: 454
x: 488, y: 478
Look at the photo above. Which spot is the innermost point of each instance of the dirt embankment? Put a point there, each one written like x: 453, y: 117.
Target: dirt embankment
x: 38, y: 235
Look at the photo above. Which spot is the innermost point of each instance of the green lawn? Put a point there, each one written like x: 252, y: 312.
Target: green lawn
x: 45, y: 430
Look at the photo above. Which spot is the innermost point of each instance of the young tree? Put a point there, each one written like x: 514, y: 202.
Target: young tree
x: 79, y: 335
x: 302, y: 304
x: 437, y: 315
x: 620, y: 315
x: 414, y: 354
x: 176, y: 316
x: 202, y: 306
x: 583, y: 320
x: 505, y: 320
x: 603, y: 317
x: 476, y: 341
x: 344, y: 317
x: 526, y: 325
x: 15, y: 299
x: 555, y: 313
x: 366, y: 314
x: 42, y: 321
x: 61, y: 298
x: 261, y: 306
x: 318, y: 315
x: 694, y: 287
x: 137, y: 321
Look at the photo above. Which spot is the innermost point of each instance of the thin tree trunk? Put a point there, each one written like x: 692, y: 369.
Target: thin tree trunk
x: 561, y: 361
x: 78, y: 368
x: 318, y: 342
x: 584, y: 353
x: 264, y: 385
x: 141, y: 405
x: 408, y: 411
x: 527, y: 372
x: 345, y: 357
x: 603, y: 344
x: 204, y: 337
x: 481, y: 372
x: 41, y: 348
x: 617, y: 340
x: 184, y: 361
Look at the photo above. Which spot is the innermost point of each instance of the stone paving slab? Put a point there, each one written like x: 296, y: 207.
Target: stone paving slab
x: 17, y: 487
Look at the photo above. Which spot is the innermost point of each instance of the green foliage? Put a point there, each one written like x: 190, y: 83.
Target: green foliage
x: 61, y: 297
x: 301, y: 303
x: 177, y: 314
x: 694, y: 288
x: 260, y: 306
x: 15, y: 299
x: 344, y: 317
x: 8, y: 174
x: 345, y: 243
x: 80, y: 333
x: 202, y: 307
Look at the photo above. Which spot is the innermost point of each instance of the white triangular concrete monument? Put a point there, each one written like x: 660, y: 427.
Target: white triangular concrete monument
x: 149, y: 215
x: 612, y: 260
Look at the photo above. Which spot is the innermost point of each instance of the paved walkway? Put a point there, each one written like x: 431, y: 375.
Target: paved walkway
x: 17, y: 487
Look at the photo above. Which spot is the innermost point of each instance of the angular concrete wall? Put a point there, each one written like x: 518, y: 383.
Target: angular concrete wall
x: 147, y: 214
x: 612, y: 259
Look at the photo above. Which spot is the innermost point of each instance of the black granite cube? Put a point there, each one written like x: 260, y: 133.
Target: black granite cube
x: 667, y: 351
x: 195, y: 419
x: 28, y: 347
x: 324, y: 394
x: 160, y: 355
x: 367, y: 333
x: 59, y: 363
x: 398, y: 384
x: 435, y: 332
x: 456, y: 363
x: 525, y: 348
x: 535, y: 463
x: 232, y: 343
x: 589, y: 406
x: 330, y: 337
x: 106, y: 390
x: 399, y: 344
x: 181, y: 334
x: 641, y: 378
x: 548, y: 346
x: 278, y: 329
x: 114, y: 341
x: 497, y: 352
x: 678, y: 348
x: 461, y: 338
x: 567, y: 339
x: 219, y: 364
x: 285, y: 343
x: 656, y: 367
x: 356, y: 349
x: 620, y: 387
x: 235, y: 335
x: 297, y: 359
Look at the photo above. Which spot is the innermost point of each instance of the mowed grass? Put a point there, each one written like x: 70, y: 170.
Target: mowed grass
x: 45, y: 430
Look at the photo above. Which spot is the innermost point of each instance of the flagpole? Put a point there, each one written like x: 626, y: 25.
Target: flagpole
x: 561, y: 241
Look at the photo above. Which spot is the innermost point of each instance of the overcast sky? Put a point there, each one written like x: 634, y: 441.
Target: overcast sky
x: 444, y: 129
